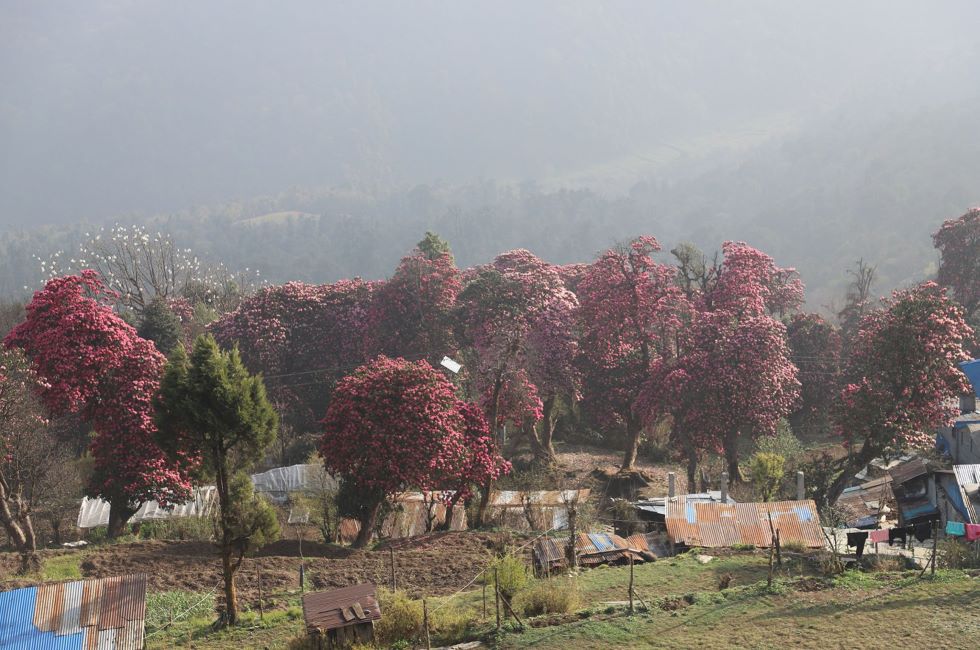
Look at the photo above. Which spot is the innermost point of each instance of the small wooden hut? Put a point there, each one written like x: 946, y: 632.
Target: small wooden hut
x: 341, y: 617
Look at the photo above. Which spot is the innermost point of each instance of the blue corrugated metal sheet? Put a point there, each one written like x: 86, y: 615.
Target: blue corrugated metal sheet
x: 602, y: 542
x: 105, y: 613
x: 972, y: 371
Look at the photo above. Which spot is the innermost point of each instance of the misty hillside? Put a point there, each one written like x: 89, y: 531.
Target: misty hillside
x: 110, y: 108
x: 841, y: 190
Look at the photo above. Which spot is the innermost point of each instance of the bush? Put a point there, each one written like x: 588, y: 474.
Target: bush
x: 952, y: 553
x: 182, y: 528
x: 793, y: 547
x: 784, y: 443
x: 164, y: 607
x: 512, y: 573
x: 401, y: 618
x: 766, y: 471
x: 560, y: 596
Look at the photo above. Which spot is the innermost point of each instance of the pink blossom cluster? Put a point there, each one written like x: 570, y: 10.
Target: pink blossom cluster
x: 93, y: 363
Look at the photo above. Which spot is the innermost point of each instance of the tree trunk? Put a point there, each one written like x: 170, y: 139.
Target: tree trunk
x: 450, y: 510
x: 231, y: 592
x: 731, y: 457
x: 541, y: 443
x: 544, y: 453
x: 119, y: 513
x: 853, y: 465
x: 368, y: 521
x: 481, y: 514
x: 633, y: 430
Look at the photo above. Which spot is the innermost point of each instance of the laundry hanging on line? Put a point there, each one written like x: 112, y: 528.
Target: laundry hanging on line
x: 955, y: 528
x: 972, y: 532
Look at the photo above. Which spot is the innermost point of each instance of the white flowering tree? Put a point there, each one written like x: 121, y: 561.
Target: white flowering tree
x: 140, y: 265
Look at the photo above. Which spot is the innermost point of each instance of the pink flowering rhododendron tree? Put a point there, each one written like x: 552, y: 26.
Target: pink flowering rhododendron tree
x: 395, y: 425
x: 93, y: 363
x: 900, y: 377
x: 303, y: 338
x: 552, y: 353
x: 411, y: 314
x: 730, y: 376
x: 506, y: 308
x: 815, y: 347
x: 631, y: 311
x: 958, y: 242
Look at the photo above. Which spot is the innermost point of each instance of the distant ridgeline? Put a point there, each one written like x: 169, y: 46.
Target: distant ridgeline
x: 817, y: 203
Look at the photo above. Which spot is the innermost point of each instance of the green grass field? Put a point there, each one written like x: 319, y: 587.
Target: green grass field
x: 869, y: 610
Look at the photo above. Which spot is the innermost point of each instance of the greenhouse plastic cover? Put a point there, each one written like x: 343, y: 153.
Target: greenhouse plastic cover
x: 276, y: 484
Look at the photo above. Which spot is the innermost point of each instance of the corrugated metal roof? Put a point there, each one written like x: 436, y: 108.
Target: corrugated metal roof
x: 409, y: 519
x: 908, y: 470
x: 725, y: 525
x: 865, y: 503
x: 599, y: 548
x: 329, y: 610
x: 549, y: 552
x: 98, y: 613
x: 546, y: 498
x: 972, y: 371
x: 658, y: 505
x: 968, y: 479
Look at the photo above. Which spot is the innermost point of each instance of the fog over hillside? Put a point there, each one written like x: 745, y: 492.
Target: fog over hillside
x: 820, y: 133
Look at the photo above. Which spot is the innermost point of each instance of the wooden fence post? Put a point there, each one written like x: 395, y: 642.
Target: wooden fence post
x: 496, y: 593
x: 394, y: 584
x: 425, y: 624
x: 631, y: 584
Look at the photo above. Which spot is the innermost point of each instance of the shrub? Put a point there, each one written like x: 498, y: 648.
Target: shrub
x: 164, y: 607
x: 182, y: 528
x: 511, y: 572
x: 449, y: 623
x: 784, y: 443
x: 952, y: 553
x: 766, y: 471
x: 548, y: 597
x: 401, y: 618
x: 793, y: 547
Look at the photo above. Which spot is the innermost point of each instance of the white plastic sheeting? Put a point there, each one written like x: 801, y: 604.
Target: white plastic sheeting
x: 95, y: 512
x: 279, y: 482
x: 276, y: 484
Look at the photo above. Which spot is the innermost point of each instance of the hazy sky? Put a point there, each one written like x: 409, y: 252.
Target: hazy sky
x: 116, y: 106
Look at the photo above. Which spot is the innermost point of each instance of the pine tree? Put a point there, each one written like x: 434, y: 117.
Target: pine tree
x: 210, y: 407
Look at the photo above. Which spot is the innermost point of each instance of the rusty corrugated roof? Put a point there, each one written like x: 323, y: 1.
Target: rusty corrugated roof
x: 724, y: 525
x: 98, y: 613
x: 329, y: 610
x: 549, y: 552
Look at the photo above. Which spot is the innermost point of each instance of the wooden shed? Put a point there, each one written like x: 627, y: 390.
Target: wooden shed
x: 342, y: 617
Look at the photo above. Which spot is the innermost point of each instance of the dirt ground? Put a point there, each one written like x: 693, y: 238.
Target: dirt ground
x: 433, y: 564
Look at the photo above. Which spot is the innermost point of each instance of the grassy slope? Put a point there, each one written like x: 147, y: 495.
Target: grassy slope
x: 869, y: 610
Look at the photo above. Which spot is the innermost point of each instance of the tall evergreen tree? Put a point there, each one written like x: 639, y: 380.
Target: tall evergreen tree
x: 160, y: 324
x: 211, y: 408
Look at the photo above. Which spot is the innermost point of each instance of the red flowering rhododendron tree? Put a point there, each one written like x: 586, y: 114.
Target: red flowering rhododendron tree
x: 93, y: 363
x: 900, y: 377
x: 958, y: 242
x: 395, y: 425
x: 815, y: 348
x: 631, y: 311
x: 303, y: 338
